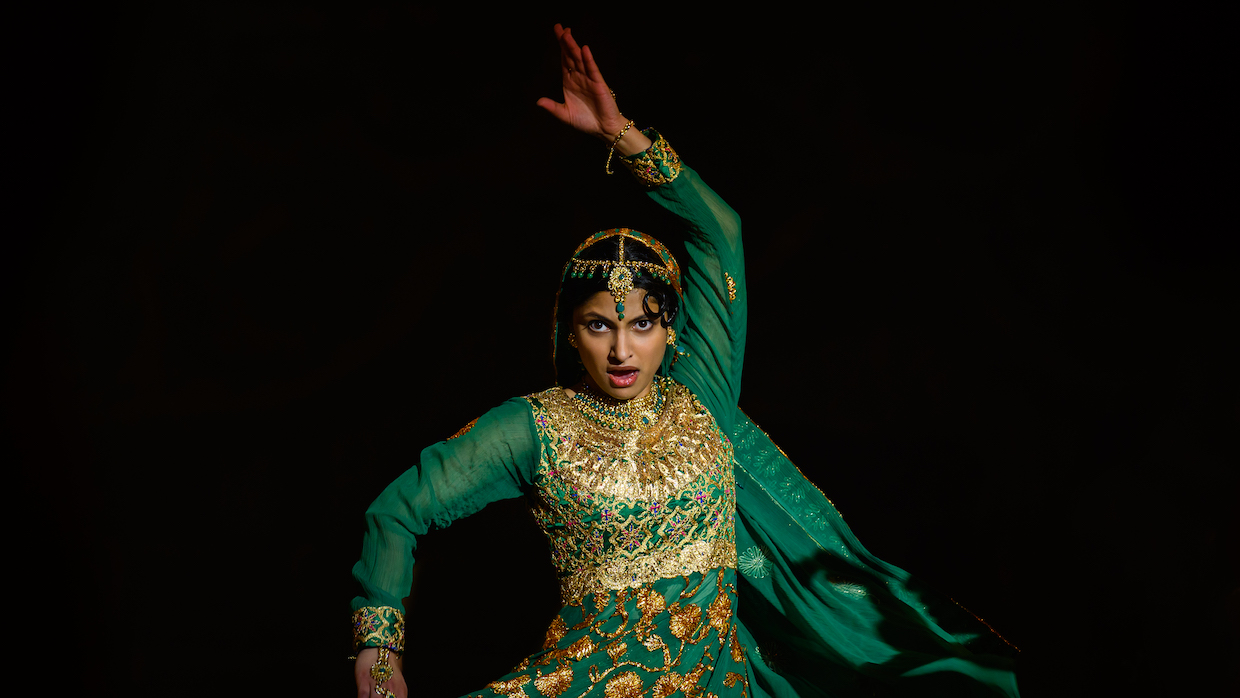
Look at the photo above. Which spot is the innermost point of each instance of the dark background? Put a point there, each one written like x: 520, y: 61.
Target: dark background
x: 257, y: 259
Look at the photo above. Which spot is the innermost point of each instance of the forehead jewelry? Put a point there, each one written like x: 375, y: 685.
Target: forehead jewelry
x: 620, y: 282
x: 621, y: 272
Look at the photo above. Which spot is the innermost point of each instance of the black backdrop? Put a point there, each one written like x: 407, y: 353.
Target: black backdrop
x: 271, y: 254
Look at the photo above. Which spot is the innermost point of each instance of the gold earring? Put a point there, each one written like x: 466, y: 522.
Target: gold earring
x: 572, y: 340
x: 671, y: 337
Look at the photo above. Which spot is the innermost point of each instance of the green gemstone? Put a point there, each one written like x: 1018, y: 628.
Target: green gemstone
x: 619, y: 307
x: 620, y: 316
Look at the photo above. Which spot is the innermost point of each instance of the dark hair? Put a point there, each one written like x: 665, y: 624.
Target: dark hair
x: 576, y: 291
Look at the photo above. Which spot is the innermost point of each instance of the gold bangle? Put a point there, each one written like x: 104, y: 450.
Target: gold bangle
x: 614, y: 144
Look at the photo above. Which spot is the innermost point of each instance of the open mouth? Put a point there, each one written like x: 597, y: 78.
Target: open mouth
x: 622, y: 378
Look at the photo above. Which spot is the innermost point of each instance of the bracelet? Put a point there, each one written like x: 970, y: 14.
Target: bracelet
x: 616, y: 143
x: 382, y: 672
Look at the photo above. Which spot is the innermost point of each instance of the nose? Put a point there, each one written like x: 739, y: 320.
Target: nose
x: 620, y: 352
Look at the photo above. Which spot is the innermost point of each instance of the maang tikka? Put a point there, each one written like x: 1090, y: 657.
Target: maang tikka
x: 621, y: 273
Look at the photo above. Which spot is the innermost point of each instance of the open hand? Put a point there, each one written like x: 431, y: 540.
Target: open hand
x: 588, y: 104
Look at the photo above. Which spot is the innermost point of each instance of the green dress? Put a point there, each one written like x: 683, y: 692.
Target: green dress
x: 694, y: 558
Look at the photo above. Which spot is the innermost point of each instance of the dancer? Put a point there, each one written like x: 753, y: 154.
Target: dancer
x: 694, y: 559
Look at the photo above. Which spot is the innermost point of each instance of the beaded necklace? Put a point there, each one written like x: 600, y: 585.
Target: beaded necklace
x: 625, y: 415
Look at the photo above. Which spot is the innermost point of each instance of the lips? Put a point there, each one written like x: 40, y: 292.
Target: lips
x: 622, y: 376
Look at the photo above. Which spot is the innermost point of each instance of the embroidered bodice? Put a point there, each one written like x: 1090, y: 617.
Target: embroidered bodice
x: 623, y: 507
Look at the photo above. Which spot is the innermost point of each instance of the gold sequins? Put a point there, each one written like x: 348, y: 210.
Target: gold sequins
x: 658, y: 164
x: 626, y: 685
x: 379, y: 626
x: 685, y: 620
x: 623, y: 507
x: 554, y: 683
x: 464, y: 430
x: 555, y: 632
x: 731, y: 287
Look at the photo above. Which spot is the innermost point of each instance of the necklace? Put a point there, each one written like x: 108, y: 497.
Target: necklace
x: 625, y: 415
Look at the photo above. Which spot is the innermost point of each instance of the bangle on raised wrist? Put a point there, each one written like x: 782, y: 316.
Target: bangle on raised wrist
x: 615, y: 143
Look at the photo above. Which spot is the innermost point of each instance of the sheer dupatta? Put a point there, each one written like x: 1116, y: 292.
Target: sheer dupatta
x: 814, y: 601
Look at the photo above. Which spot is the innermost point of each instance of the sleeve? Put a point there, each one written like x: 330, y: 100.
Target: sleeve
x: 491, y: 459
x: 711, y: 330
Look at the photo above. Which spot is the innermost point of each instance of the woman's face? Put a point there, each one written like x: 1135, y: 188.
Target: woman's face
x: 620, y: 356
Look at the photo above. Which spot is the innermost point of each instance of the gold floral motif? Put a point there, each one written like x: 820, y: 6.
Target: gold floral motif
x: 667, y: 684
x: 626, y: 685
x: 685, y: 620
x: 720, y: 614
x: 738, y: 650
x: 379, y: 626
x: 731, y: 287
x: 623, y: 507
x: 554, y: 683
x: 555, y: 631
x: 512, y: 688
x: 658, y: 164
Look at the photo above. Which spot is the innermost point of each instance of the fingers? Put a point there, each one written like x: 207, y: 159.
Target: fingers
x: 591, y: 67
x: 570, y: 53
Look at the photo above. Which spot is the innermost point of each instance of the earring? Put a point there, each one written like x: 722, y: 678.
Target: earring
x: 671, y: 337
x: 572, y: 340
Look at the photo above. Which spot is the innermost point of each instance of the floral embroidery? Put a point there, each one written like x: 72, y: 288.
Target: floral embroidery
x: 754, y: 562
x: 379, y: 626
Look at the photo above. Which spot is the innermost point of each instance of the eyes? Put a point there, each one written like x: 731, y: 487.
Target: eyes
x: 641, y: 325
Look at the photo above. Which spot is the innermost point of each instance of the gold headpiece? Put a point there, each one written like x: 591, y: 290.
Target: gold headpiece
x: 621, y: 272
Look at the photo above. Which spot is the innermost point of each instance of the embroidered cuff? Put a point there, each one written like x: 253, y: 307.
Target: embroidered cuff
x: 658, y: 164
x: 379, y: 626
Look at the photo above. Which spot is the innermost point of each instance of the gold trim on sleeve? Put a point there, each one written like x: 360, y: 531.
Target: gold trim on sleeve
x: 379, y: 626
x: 731, y: 287
x: 658, y: 164
x: 464, y: 430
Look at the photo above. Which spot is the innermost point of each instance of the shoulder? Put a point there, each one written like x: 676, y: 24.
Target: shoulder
x: 681, y: 399
x: 513, y: 413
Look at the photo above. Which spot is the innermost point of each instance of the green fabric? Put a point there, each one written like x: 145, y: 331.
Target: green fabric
x: 816, y: 613
x: 495, y: 460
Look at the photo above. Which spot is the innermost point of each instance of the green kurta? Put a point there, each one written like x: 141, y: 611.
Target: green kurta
x: 694, y: 558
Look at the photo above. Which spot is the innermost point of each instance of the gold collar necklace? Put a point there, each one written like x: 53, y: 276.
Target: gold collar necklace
x: 625, y: 415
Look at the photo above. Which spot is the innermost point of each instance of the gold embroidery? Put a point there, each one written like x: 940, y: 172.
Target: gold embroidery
x: 731, y: 287
x: 658, y: 164
x: 555, y: 683
x: 623, y: 507
x: 464, y: 430
x: 554, y: 633
x: 626, y: 685
x: 685, y: 620
x: 667, y: 684
x: 379, y: 626
x: 513, y: 688
x: 738, y: 651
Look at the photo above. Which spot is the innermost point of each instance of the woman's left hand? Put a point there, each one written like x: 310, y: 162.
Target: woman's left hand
x: 588, y: 104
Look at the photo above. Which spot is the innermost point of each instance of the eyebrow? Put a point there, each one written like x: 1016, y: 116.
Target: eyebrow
x: 591, y: 315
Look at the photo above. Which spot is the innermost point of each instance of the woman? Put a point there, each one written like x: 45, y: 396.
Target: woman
x: 693, y: 557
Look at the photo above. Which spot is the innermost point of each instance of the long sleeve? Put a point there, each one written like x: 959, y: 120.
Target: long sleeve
x: 711, y: 330
x: 494, y: 459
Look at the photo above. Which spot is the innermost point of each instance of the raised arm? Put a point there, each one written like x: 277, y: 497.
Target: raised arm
x: 711, y: 329
x: 493, y: 459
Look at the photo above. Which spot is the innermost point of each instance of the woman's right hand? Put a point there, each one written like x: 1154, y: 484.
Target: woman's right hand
x: 366, y: 687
